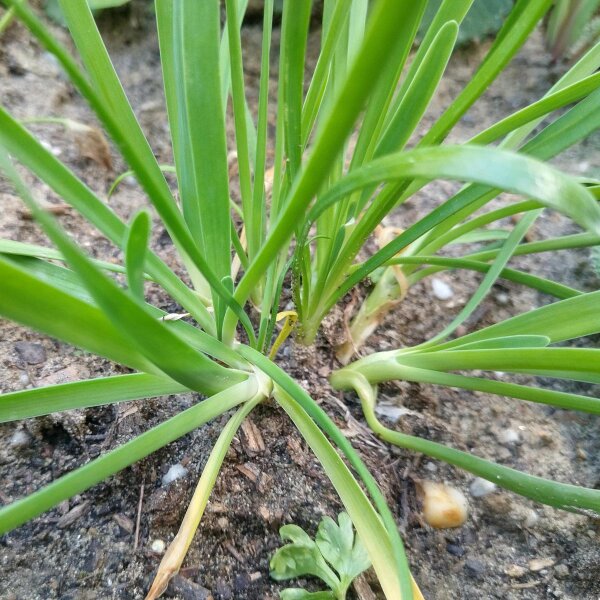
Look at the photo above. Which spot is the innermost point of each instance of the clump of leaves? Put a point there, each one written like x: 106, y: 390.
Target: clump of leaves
x: 312, y: 210
x: 336, y: 556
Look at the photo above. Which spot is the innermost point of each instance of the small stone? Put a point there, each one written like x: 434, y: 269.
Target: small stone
x: 531, y: 518
x: 561, y: 571
x: 539, y: 564
x: 443, y: 506
x: 20, y: 439
x: 32, y: 354
x: 24, y: 379
x: 502, y: 298
x: 481, y: 487
x: 158, y: 546
x: 175, y: 472
x: 441, y: 290
x: 455, y: 550
x: 498, y: 503
x: 509, y: 437
x: 515, y: 571
x: 474, y: 568
x: 391, y: 412
x: 431, y: 467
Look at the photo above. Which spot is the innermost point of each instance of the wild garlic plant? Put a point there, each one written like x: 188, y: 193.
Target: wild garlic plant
x: 311, y: 215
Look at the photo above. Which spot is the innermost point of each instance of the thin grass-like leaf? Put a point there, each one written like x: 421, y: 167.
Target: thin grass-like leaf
x: 26, y: 404
x: 136, y: 247
x: 155, y: 341
x: 101, y: 468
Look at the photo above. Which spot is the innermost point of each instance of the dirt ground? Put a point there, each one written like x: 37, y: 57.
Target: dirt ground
x: 85, y: 548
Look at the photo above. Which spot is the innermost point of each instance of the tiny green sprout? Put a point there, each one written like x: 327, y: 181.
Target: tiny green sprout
x: 336, y: 556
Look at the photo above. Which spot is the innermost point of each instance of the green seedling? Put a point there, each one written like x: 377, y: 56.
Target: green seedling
x: 336, y: 556
x: 310, y: 212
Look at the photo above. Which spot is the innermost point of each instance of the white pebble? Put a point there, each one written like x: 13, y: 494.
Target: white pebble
x: 393, y: 413
x: 431, y: 467
x: 20, y: 439
x: 502, y: 298
x: 509, y: 437
x: 24, y: 378
x: 531, y: 518
x: 175, y: 472
x: 443, y: 506
x: 441, y: 290
x: 481, y: 487
x: 158, y: 546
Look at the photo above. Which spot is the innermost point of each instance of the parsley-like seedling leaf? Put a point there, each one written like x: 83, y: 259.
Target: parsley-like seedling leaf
x: 335, y: 549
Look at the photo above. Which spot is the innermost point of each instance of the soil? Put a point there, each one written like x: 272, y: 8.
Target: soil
x: 86, y: 547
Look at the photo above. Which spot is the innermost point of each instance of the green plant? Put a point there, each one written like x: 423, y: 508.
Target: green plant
x: 334, y: 547
x: 315, y: 220
x: 572, y: 25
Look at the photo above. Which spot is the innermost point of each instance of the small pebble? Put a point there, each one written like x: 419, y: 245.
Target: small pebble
x: 431, y: 467
x: 441, y: 290
x: 443, y: 506
x: 509, y: 437
x: 502, y: 299
x: 481, y: 487
x: 24, y: 379
x: 475, y: 568
x: 531, y: 518
x: 158, y: 546
x: 33, y: 354
x: 515, y: 571
x: 561, y: 571
x: 393, y: 413
x: 20, y: 439
x: 455, y: 550
x: 175, y: 472
x: 498, y: 503
x: 539, y: 564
